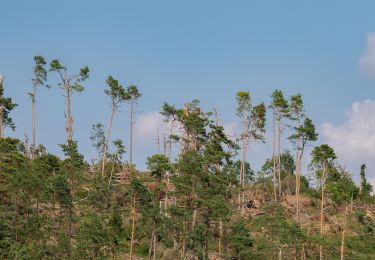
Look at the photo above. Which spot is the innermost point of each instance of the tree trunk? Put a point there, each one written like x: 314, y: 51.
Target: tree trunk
x: 69, y: 119
x: 1, y: 112
x: 242, y: 175
x: 279, y: 156
x: 220, y: 236
x: 343, y: 236
x: 151, y: 243
x: 33, y: 122
x: 298, y: 180
x: 274, y: 157
x: 107, y: 139
x: 322, y: 208
x: 155, y: 245
x: 133, y: 227
x: 131, y: 136
x: 170, y: 141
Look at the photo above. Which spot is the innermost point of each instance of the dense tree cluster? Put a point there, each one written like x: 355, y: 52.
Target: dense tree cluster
x: 205, y: 202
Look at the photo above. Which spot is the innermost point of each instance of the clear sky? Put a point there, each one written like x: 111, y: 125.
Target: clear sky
x: 180, y: 50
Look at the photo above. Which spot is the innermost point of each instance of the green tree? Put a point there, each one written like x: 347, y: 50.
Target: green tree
x: 98, y: 139
x: 253, y: 127
x: 134, y: 95
x: 158, y: 164
x: 170, y: 116
x: 304, y: 133
x: 70, y: 84
x: 118, y: 95
x: 240, y: 240
x: 6, y: 106
x: 280, y: 110
x: 365, y: 188
x: 322, y: 157
x: 40, y: 77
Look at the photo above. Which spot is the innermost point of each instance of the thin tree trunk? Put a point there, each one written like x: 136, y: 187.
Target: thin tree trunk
x: 274, y: 157
x: 279, y: 156
x: 170, y: 141
x: 107, y: 139
x: 343, y: 236
x: 131, y: 135
x: 322, y: 208
x: 220, y: 236
x: 69, y: 119
x: 155, y: 245
x: 298, y: 169
x: 33, y: 122
x: 1, y: 112
x: 164, y: 144
x: 242, y: 177
x: 1, y: 122
x: 151, y: 243
x: 133, y: 227
x: 111, y: 176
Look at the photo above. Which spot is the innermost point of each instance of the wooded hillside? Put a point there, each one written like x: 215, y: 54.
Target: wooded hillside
x: 204, y: 202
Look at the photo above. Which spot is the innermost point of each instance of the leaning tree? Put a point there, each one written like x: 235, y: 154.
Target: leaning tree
x: 118, y: 95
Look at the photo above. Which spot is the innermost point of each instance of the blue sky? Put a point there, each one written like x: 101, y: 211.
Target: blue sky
x: 176, y: 51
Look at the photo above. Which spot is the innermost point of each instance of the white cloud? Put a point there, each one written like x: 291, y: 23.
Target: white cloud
x: 354, y: 139
x: 367, y: 61
x: 231, y: 128
x: 147, y: 126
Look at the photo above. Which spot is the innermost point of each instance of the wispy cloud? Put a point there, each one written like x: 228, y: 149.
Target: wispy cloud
x: 367, y: 61
x: 147, y: 126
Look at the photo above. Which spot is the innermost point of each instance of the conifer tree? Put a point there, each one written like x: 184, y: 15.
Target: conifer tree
x: 253, y: 127
x: 304, y: 133
x: 70, y: 84
x: 98, y: 139
x: 6, y: 106
x: 118, y: 95
x: 365, y: 188
x: 40, y: 77
x: 134, y: 95
x: 322, y: 157
x: 280, y: 109
x: 170, y: 116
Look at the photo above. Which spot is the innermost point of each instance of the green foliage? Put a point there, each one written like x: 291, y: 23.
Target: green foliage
x: 239, y: 240
x: 98, y: 139
x: 7, y: 106
x: 158, y: 164
x: 69, y: 82
x: 341, y: 187
x: 40, y: 73
x: 323, y: 153
x: 365, y: 187
x: 116, y: 92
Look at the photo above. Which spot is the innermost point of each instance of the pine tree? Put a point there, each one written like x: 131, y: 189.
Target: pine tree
x: 118, y: 95
x: 134, y: 95
x: 40, y: 77
x: 322, y: 156
x: 253, y: 128
x: 70, y: 84
x: 6, y: 106
x: 280, y: 109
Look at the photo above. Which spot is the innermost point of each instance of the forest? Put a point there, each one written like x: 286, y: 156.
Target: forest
x: 198, y: 199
